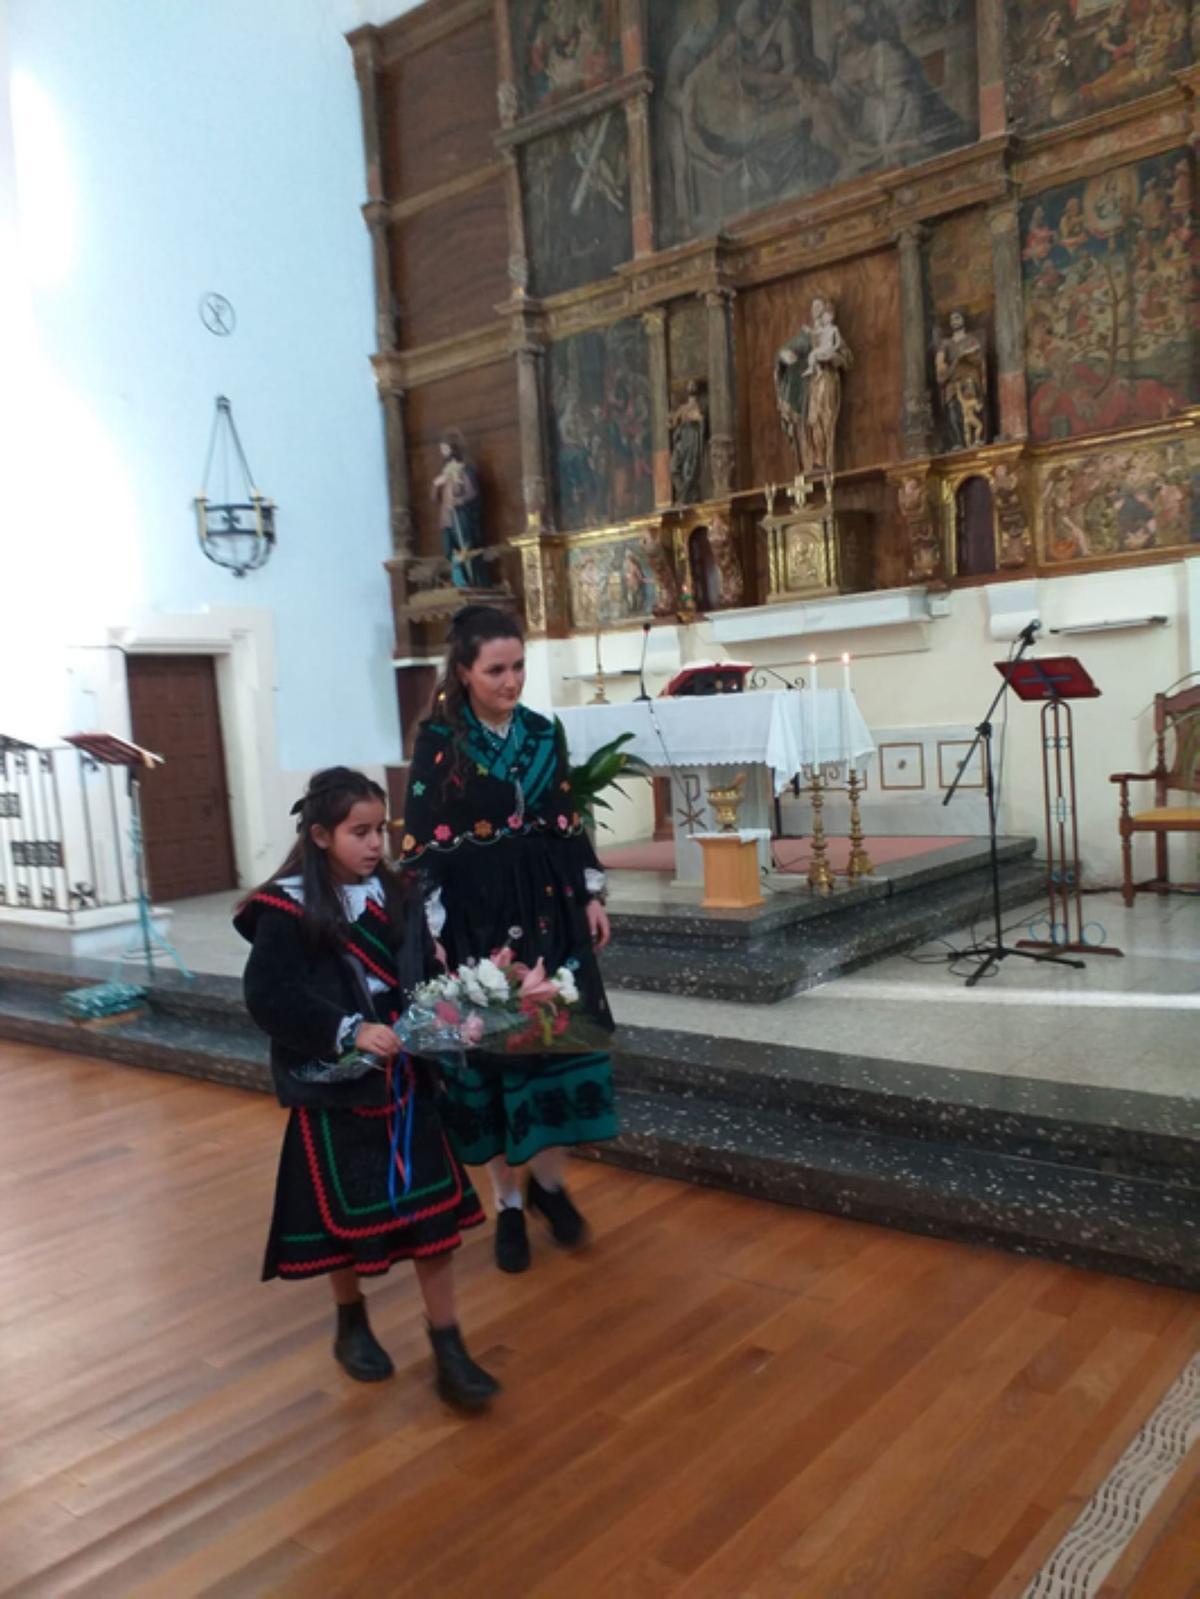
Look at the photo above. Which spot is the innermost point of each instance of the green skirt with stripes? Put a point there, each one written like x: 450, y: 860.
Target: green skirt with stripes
x: 500, y: 1106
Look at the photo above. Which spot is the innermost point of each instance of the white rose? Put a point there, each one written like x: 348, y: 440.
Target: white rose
x: 473, y: 990
x: 492, y: 979
x: 564, y: 977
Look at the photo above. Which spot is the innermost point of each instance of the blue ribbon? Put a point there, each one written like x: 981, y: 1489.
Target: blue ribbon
x: 402, y: 1126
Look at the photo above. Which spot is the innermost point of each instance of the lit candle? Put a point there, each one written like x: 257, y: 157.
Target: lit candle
x: 816, y: 759
x: 846, y: 750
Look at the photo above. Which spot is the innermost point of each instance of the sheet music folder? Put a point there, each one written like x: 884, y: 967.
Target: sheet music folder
x: 1053, y: 677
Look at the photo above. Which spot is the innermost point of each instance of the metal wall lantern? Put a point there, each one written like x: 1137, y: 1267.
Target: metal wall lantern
x: 237, y: 534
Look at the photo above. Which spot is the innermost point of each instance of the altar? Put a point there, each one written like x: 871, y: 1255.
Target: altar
x: 700, y: 743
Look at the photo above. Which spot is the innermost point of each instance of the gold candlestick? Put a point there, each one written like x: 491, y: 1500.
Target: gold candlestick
x: 860, y: 863
x: 599, y: 697
x: 820, y: 878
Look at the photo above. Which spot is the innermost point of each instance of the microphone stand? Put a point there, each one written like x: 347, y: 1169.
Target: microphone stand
x: 642, y: 663
x: 992, y: 954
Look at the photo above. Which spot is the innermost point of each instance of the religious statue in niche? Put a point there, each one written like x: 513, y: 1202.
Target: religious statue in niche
x: 1013, y: 542
x: 729, y: 567
x: 808, y: 390
x: 460, y: 515
x: 961, y: 369
x: 688, y: 425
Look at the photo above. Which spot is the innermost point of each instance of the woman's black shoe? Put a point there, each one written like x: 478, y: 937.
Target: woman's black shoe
x: 567, y: 1226
x: 459, y: 1380
x: 512, y: 1241
x: 356, y: 1349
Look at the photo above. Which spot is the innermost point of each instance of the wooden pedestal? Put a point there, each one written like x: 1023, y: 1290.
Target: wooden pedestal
x: 730, y: 871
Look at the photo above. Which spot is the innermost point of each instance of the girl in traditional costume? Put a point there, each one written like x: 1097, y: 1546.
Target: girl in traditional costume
x: 505, y: 861
x: 367, y: 1175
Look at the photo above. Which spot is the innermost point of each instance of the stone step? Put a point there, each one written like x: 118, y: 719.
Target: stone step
x: 1100, y: 1178
x: 1104, y: 1222
x: 1115, y: 1132
x: 815, y: 949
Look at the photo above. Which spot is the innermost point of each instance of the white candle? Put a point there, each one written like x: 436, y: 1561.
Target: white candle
x: 815, y: 757
x: 845, y: 719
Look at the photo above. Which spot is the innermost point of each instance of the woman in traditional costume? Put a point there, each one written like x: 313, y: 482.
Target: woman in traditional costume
x: 505, y: 861
x: 367, y: 1175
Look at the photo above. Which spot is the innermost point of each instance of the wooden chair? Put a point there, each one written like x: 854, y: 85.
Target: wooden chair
x: 1177, y: 715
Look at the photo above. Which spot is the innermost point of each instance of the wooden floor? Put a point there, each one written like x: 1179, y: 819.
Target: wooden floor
x: 720, y: 1398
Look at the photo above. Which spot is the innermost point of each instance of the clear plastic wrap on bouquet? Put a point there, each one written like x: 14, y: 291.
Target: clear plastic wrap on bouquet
x: 495, y: 1004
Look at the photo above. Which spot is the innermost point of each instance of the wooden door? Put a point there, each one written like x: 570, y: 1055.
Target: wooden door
x: 185, y: 803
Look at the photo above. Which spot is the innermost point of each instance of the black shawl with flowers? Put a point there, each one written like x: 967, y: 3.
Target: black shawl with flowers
x: 489, y: 823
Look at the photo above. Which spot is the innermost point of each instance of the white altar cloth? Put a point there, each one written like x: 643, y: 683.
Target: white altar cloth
x: 768, y: 727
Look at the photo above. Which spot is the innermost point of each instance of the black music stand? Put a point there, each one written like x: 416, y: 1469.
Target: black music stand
x: 992, y: 954
x: 1054, y: 682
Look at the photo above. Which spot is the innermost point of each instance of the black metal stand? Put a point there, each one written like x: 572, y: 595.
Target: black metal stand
x: 992, y: 954
x: 642, y: 695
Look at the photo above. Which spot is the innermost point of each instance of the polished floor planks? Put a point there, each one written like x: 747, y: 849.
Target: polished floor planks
x: 720, y: 1398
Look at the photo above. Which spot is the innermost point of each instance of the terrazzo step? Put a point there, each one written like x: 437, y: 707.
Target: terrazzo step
x: 1092, y: 1177
x: 813, y: 950
x: 231, y: 1054
x: 1134, y: 1227
x: 201, y: 999
x: 1114, y: 1132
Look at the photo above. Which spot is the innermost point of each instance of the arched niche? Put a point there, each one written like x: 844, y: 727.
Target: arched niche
x: 974, y: 528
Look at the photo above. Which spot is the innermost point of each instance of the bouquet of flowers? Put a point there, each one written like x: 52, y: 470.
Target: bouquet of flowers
x: 498, y: 1002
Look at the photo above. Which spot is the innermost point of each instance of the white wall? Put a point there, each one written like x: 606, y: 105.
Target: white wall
x: 163, y: 151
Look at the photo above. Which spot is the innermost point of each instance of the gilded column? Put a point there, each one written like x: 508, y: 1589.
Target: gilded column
x: 720, y: 390
x: 1010, y: 320
x: 368, y: 57
x: 508, y: 107
x: 914, y: 336
x: 655, y: 323
x: 991, y: 25
x: 641, y: 184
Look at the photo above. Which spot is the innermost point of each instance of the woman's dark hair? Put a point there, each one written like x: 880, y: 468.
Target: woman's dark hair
x: 470, y: 629
x: 329, y: 798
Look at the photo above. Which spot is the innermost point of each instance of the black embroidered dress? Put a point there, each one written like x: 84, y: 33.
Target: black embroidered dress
x: 488, y: 821
x: 367, y: 1175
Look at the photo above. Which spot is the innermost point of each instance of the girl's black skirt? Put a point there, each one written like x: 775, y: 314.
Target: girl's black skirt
x: 332, y: 1201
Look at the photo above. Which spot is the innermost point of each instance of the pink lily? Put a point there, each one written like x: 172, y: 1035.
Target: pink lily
x: 502, y: 957
x: 448, y: 1013
x: 471, y: 1030
x: 536, y: 985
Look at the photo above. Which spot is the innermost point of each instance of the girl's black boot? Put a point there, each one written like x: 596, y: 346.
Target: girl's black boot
x: 356, y: 1349
x: 459, y: 1380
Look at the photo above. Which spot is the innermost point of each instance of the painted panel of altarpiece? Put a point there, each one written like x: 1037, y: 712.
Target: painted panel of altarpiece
x: 600, y: 424
x: 562, y: 47
x: 609, y: 583
x: 1122, y: 500
x: 577, y: 203
x: 1111, y: 298
x: 760, y: 100
x: 1068, y: 60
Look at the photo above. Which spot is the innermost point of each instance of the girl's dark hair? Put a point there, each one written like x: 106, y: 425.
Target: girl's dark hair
x: 329, y: 798
x: 470, y: 629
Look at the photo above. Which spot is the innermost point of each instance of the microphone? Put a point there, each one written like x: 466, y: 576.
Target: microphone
x: 1026, y: 635
x: 642, y: 663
